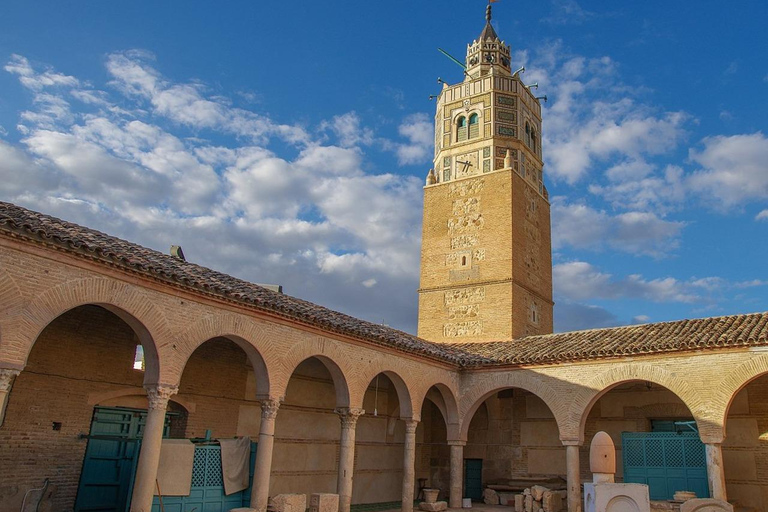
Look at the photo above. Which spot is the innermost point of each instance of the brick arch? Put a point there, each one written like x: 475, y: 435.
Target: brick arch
x: 127, y: 302
x: 10, y: 303
x: 402, y: 388
x: 737, y: 379
x: 583, y: 401
x: 244, y: 332
x: 444, y: 399
x: 335, y: 357
x: 447, y: 393
x: 522, y: 379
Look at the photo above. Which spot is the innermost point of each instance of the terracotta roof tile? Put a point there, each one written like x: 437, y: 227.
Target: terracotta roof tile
x: 749, y: 330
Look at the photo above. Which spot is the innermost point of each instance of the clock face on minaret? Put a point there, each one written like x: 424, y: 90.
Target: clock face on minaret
x: 486, y: 262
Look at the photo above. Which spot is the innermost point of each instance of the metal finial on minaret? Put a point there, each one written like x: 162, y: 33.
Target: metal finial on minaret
x: 488, y: 12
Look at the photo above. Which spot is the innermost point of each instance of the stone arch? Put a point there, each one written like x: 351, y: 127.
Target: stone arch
x: 244, y: 332
x: 582, y: 403
x: 729, y: 387
x: 334, y: 360
x: 127, y: 302
x: 522, y: 379
x: 404, y: 399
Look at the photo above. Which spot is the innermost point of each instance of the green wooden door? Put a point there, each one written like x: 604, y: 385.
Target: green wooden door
x: 110, y: 459
x: 473, y: 479
x: 666, y: 462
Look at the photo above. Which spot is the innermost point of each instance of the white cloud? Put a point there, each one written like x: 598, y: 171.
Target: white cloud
x: 763, y: 215
x: 420, y: 132
x: 578, y: 280
x: 734, y: 169
x: 30, y: 79
x: 349, y: 131
x: 636, y: 232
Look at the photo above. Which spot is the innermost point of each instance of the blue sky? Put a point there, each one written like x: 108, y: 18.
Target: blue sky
x: 287, y: 142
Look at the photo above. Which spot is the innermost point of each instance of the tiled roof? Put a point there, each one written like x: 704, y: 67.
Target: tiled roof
x: 685, y: 335
x: 750, y: 330
x: 135, y: 258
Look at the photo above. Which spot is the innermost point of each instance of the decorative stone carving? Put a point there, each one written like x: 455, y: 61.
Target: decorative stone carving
x: 159, y: 395
x: 463, y: 241
x: 430, y: 495
x: 490, y: 497
x: 465, y: 188
x: 466, y: 206
x: 706, y: 505
x: 349, y: 416
x: 455, y: 330
x: 466, y: 224
x: 269, y: 407
x: 602, y: 495
x: 460, y: 312
x: 478, y: 255
x: 472, y: 295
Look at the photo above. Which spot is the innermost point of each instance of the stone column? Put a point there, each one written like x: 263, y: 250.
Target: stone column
x: 349, y: 417
x: 573, y: 475
x: 149, y: 456
x: 457, y: 473
x: 263, y: 468
x: 7, y: 376
x: 409, y: 464
x: 715, y: 471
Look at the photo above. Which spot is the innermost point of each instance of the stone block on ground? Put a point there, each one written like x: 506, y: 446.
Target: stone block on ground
x: 528, y: 503
x: 552, y: 502
x: 519, y: 502
x: 437, y: 506
x: 506, y: 497
x: 536, y: 506
x: 290, y: 502
x: 324, y: 502
x: 705, y: 505
x: 537, y: 491
x: 490, y: 497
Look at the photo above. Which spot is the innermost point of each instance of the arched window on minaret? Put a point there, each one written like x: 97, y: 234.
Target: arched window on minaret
x: 461, y: 129
x: 527, y: 134
x: 474, y: 128
x: 534, y: 143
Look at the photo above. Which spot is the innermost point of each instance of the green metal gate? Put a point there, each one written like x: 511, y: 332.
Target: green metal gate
x: 110, y: 459
x: 473, y: 479
x: 207, y: 492
x: 666, y: 462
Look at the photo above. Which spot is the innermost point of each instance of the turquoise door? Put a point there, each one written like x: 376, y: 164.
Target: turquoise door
x: 110, y: 457
x: 666, y: 462
x: 473, y: 479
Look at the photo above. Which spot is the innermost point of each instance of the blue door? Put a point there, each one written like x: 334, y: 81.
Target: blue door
x: 110, y: 458
x: 473, y: 479
x: 666, y: 462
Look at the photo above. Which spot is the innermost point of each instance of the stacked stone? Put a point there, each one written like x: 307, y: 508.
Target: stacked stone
x: 533, y: 499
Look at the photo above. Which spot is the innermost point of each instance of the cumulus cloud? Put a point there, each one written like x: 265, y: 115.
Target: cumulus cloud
x: 583, y: 227
x: 315, y: 222
x: 579, y: 280
x: 763, y: 215
x: 420, y: 133
x: 733, y: 168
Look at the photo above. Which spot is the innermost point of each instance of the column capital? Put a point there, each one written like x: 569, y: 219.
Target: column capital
x: 410, y: 425
x: 269, y: 407
x: 713, y: 440
x: 159, y: 394
x: 571, y: 442
x: 6, y: 378
x: 457, y: 443
x: 349, y: 416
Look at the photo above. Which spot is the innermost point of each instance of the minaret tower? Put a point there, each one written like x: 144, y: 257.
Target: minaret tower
x: 486, y: 255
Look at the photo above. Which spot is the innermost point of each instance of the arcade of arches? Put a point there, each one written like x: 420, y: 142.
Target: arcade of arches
x: 331, y: 412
